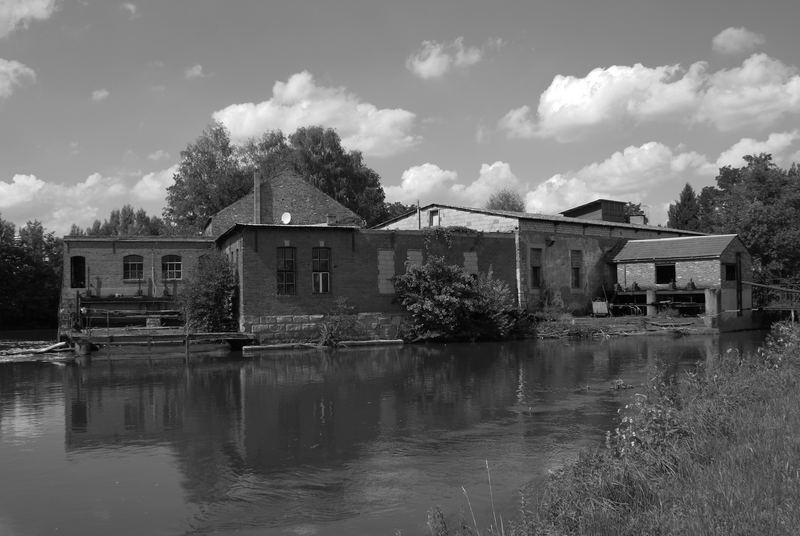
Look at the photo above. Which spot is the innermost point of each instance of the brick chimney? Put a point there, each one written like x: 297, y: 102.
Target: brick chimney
x: 257, y: 197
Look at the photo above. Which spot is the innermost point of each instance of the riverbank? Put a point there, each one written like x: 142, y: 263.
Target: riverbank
x: 711, y: 452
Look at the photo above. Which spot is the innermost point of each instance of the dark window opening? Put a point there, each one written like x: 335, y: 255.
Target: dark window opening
x: 171, y: 267
x: 576, y: 263
x: 536, y: 268
x: 286, y: 271
x: 321, y: 270
x: 665, y: 273
x: 731, y: 272
x: 77, y: 271
x: 133, y: 267
x: 433, y: 218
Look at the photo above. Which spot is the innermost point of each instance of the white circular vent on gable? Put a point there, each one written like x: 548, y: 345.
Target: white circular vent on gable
x: 286, y: 218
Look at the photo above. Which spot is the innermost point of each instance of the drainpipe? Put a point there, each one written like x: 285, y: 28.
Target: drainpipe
x: 518, y: 256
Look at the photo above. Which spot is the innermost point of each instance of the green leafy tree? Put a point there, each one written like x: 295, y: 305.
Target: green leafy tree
x: 209, y: 295
x: 209, y: 178
x: 446, y: 302
x: 506, y: 199
x: 685, y: 212
x: 30, y: 276
x: 126, y: 221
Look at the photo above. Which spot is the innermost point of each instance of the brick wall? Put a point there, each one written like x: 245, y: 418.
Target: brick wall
x: 104, y: 265
x: 360, y: 266
x: 271, y: 329
x: 449, y: 217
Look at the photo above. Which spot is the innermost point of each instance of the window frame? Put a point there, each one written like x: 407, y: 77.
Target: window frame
x: 433, y: 214
x: 286, y: 271
x: 727, y: 267
x: 171, y: 267
x: 128, y: 262
x: 321, y: 270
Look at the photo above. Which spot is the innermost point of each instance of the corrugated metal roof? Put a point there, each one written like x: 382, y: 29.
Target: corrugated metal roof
x: 688, y: 247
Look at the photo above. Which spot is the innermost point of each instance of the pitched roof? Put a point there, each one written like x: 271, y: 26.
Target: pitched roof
x: 686, y: 247
x: 535, y: 216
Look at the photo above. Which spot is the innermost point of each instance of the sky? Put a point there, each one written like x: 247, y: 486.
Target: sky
x: 448, y: 100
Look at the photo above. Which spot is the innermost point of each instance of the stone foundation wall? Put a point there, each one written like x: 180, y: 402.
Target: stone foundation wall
x: 306, y: 328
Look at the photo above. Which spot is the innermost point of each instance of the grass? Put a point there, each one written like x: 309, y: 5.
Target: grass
x: 715, y: 451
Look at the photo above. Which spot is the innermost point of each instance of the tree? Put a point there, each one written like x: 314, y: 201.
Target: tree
x: 208, y: 179
x: 506, y: 199
x: 209, y: 295
x: 685, y: 212
x: 124, y: 222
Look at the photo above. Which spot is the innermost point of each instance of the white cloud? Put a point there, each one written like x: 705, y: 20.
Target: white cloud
x: 757, y: 94
x: 300, y: 102
x: 777, y: 144
x: 100, y: 94
x: 434, y: 59
x: 58, y: 206
x: 736, y: 41
x: 159, y: 154
x: 132, y: 9
x: 13, y: 74
x: 428, y: 183
x: 195, y: 71
x: 19, y: 13
x: 628, y: 175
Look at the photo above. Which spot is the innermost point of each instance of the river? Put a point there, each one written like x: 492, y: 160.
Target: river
x: 358, y: 441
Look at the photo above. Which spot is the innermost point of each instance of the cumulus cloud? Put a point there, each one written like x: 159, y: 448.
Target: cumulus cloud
x: 19, y: 13
x: 428, y: 183
x: 434, y: 59
x: 58, y: 206
x: 159, y: 154
x: 100, y: 94
x: 736, y: 41
x: 756, y: 94
x: 195, y: 71
x: 631, y: 174
x: 777, y: 144
x: 300, y: 102
x: 12, y: 75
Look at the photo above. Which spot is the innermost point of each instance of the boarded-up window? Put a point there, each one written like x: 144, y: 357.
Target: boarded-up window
x: 471, y: 262
x: 576, y: 264
x: 413, y: 258
x: 385, y: 271
x: 536, y: 267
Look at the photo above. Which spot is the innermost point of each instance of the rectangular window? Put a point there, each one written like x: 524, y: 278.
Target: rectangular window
x: 286, y: 270
x: 665, y: 273
x: 171, y: 267
x: 536, y: 267
x: 576, y: 264
x: 321, y: 270
x: 77, y: 272
x: 730, y: 272
x: 433, y: 218
x: 133, y: 267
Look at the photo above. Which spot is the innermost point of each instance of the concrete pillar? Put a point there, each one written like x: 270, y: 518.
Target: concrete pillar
x: 652, y: 310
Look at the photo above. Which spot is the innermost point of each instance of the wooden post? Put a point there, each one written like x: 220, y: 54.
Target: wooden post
x: 650, y: 295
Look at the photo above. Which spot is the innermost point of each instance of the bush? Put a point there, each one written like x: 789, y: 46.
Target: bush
x: 446, y: 302
x: 209, y: 295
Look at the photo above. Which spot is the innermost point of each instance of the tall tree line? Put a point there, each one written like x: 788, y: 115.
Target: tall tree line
x: 758, y: 201
x: 30, y: 276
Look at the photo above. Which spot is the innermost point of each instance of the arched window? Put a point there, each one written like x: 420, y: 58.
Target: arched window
x: 77, y: 272
x: 132, y: 267
x: 171, y: 267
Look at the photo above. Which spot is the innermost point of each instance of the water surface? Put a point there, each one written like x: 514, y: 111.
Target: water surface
x: 360, y: 441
